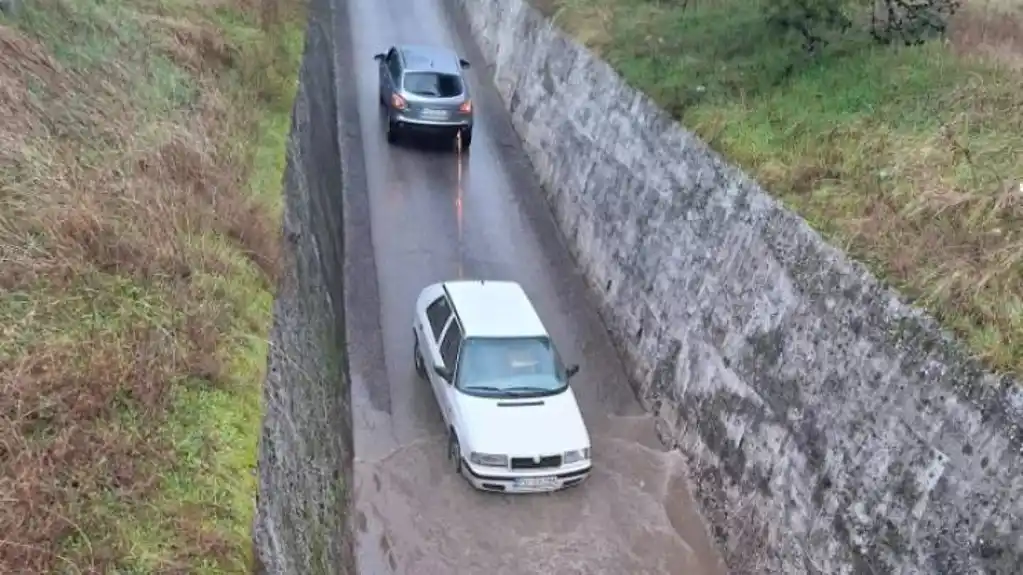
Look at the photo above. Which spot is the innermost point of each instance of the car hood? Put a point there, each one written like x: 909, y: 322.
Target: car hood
x: 523, y: 426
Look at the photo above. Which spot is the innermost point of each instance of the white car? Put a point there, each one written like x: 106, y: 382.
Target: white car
x: 513, y: 421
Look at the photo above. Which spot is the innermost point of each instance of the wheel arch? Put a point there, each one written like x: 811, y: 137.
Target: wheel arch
x: 453, y: 434
x: 454, y: 437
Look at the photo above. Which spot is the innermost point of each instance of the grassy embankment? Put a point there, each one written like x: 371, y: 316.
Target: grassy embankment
x: 141, y: 152
x: 911, y: 159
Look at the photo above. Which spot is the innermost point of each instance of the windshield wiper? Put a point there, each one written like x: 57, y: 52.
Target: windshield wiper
x: 526, y: 389
x: 482, y: 388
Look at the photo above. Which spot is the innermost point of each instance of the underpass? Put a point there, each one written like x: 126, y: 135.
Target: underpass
x: 432, y: 215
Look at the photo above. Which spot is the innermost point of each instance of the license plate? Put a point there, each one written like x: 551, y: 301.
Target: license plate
x: 435, y: 114
x: 533, y: 482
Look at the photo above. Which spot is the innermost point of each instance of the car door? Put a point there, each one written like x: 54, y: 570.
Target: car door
x: 390, y: 74
x: 383, y: 71
x: 450, y: 347
x: 436, y: 317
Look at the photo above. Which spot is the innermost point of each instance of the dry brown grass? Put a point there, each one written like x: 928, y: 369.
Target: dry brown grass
x: 589, y: 22
x: 125, y: 212
x: 990, y: 29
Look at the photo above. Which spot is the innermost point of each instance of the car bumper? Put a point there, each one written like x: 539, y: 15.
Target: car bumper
x: 420, y: 125
x: 505, y: 481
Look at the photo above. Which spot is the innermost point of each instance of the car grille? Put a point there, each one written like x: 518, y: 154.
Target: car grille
x: 545, y: 462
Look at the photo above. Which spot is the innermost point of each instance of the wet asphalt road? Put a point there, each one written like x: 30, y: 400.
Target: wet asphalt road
x: 434, y: 214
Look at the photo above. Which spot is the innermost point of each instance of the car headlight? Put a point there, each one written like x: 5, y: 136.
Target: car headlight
x: 488, y: 459
x: 577, y: 455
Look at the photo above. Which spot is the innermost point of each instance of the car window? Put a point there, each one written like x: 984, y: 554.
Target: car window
x: 437, y: 313
x: 520, y: 364
x: 433, y: 84
x: 449, y: 346
x: 393, y: 65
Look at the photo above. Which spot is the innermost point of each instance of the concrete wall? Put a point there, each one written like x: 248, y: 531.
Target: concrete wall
x: 829, y: 427
x: 305, y: 455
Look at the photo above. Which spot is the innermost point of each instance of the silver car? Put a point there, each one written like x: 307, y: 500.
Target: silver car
x: 422, y: 90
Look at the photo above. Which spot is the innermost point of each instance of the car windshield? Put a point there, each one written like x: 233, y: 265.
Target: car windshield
x: 510, y: 367
x: 433, y: 84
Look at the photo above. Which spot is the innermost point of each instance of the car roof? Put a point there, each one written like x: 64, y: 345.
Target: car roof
x: 421, y: 58
x: 494, y: 309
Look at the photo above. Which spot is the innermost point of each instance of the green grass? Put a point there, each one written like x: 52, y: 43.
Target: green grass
x: 141, y: 171
x: 907, y: 157
x: 270, y: 160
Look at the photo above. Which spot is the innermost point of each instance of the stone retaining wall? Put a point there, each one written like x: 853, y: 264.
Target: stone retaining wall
x: 829, y: 427
x: 305, y: 454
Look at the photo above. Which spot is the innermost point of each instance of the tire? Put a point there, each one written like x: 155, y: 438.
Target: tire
x: 417, y: 360
x: 466, y: 139
x: 392, y: 132
x: 455, y: 452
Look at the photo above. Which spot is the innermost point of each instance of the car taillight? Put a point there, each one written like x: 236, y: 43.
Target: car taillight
x: 466, y: 107
x: 398, y: 102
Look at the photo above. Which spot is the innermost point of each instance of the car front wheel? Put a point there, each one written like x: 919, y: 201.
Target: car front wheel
x: 455, y: 453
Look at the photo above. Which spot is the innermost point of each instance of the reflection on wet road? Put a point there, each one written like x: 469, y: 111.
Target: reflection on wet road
x: 438, y: 215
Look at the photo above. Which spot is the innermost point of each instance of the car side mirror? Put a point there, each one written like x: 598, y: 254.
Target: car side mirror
x: 463, y: 62
x: 572, y: 370
x: 443, y: 372
x: 379, y: 57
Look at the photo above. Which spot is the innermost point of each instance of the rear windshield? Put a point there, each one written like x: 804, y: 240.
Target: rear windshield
x: 433, y: 84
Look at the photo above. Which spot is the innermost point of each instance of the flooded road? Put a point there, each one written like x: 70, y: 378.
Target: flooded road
x: 631, y: 517
x: 435, y: 215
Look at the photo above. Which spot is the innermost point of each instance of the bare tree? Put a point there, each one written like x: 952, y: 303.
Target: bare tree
x: 814, y: 20
x: 892, y: 21
x: 911, y: 21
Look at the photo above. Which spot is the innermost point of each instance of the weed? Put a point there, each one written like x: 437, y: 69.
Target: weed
x: 908, y: 157
x: 138, y: 250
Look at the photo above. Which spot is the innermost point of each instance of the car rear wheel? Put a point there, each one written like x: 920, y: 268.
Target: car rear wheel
x: 418, y: 360
x: 392, y: 132
x: 466, y: 139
